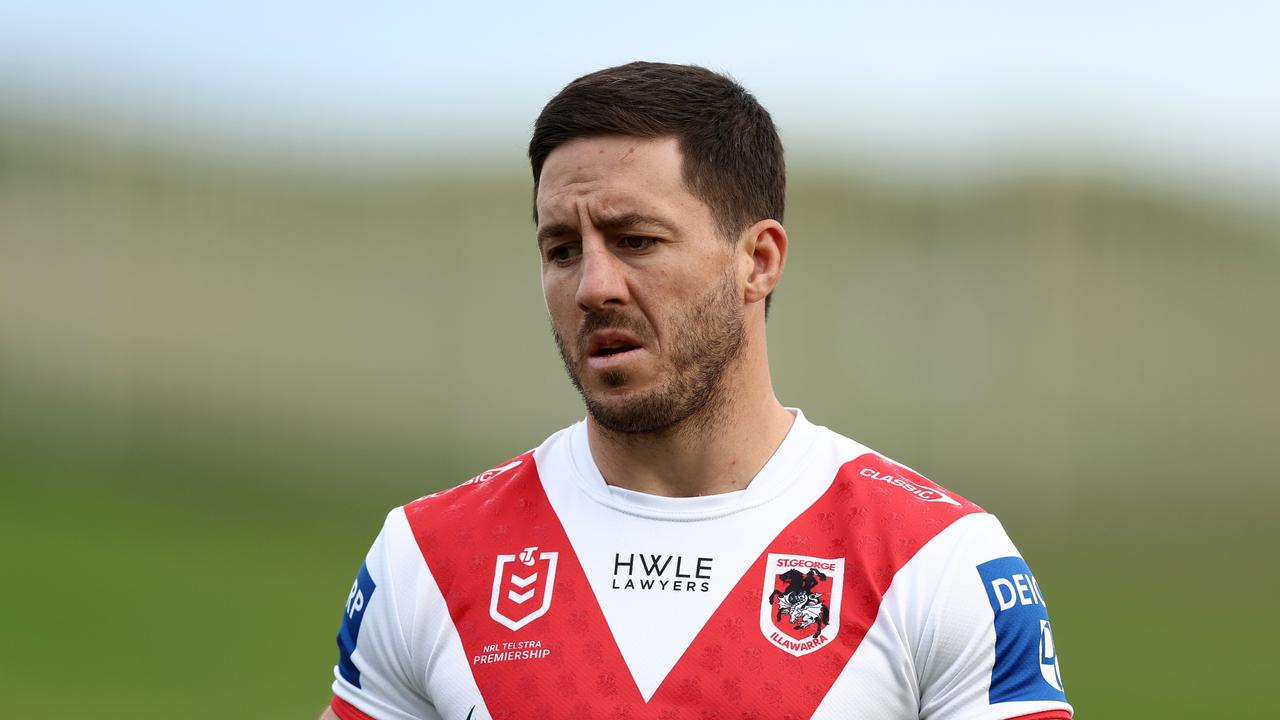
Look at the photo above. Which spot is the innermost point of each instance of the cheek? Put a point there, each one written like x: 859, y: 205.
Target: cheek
x: 559, y: 298
x: 679, y: 290
x: 552, y: 289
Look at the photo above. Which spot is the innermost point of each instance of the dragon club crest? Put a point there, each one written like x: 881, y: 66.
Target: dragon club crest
x: 800, y: 612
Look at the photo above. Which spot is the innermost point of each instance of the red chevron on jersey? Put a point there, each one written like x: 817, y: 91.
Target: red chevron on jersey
x: 539, y: 645
x: 562, y: 663
x: 874, y: 532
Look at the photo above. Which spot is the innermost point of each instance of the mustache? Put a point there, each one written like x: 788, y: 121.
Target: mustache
x: 597, y: 320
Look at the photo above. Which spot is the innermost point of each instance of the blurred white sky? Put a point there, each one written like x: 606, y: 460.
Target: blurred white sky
x: 1190, y: 88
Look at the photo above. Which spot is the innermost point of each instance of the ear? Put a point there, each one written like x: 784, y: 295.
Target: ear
x: 762, y: 254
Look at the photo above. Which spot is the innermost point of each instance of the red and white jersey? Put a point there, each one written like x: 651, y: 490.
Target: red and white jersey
x: 838, y: 584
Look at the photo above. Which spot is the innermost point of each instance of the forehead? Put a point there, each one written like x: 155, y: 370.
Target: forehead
x: 614, y: 175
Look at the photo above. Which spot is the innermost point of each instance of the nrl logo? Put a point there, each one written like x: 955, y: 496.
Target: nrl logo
x: 522, y: 590
x: 801, y: 608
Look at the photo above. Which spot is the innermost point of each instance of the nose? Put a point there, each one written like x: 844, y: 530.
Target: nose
x: 602, y: 281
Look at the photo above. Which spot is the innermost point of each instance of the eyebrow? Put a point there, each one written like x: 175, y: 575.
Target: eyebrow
x: 612, y: 223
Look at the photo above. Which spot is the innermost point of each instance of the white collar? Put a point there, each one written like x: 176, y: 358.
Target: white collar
x: 774, y: 478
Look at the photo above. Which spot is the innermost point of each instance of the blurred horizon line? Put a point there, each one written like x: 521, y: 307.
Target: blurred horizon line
x: 95, y: 131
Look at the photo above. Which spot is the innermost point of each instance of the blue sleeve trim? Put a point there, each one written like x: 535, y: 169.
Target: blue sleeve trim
x: 353, y: 615
x: 1026, y: 663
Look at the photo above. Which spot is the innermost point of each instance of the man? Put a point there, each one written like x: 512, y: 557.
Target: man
x: 692, y: 548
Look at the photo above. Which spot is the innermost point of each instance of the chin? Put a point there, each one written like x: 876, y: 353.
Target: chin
x: 634, y: 412
x: 614, y: 379
x: 611, y: 397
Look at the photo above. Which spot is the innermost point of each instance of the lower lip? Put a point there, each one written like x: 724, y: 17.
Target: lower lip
x: 610, y: 362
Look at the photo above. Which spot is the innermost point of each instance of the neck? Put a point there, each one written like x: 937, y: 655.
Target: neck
x: 718, y: 450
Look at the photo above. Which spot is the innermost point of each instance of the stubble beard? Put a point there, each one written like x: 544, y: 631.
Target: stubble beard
x: 705, y: 344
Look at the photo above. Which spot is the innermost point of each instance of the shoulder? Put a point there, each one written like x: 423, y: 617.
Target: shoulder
x: 873, y: 481
x: 882, y: 511
x: 504, y: 487
x: 873, y: 476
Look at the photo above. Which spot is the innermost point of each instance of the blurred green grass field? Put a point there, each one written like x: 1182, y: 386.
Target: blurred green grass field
x: 133, y: 601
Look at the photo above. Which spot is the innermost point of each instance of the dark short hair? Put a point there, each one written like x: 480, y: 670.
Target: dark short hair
x: 732, y: 153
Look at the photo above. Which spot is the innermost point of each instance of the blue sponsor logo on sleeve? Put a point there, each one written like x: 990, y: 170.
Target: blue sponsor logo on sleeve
x: 1026, y: 666
x: 352, y: 616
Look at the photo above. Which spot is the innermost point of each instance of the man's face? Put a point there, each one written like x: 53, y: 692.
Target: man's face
x: 643, y: 293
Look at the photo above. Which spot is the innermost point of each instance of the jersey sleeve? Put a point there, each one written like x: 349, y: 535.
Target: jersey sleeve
x: 987, y: 650
x: 375, y: 676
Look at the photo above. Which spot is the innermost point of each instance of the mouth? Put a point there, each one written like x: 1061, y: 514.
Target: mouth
x: 611, y: 350
x: 608, y: 348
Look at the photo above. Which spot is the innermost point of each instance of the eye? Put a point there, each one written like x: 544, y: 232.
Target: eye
x: 636, y: 242
x: 563, y: 253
